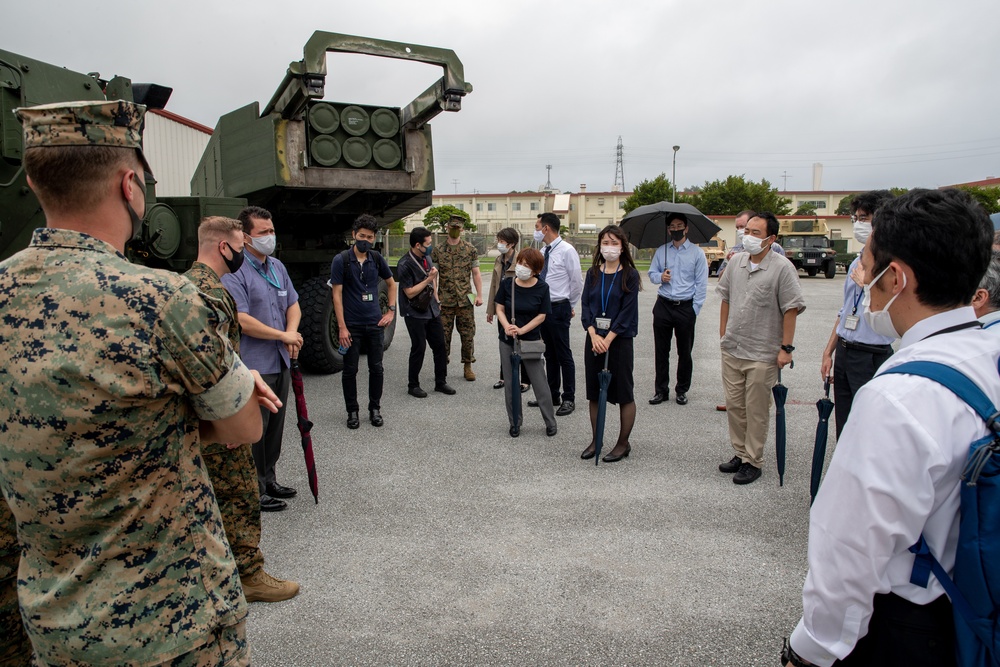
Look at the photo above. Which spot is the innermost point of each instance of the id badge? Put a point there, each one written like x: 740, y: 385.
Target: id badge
x: 367, y: 296
x: 283, y: 292
x: 602, y: 323
x: 851, y: 322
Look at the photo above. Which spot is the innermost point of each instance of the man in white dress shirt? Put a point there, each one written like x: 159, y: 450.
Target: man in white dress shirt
x: 897, y: 467
x: 986, y: 301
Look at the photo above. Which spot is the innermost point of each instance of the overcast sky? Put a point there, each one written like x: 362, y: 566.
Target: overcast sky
x: 882, y: 93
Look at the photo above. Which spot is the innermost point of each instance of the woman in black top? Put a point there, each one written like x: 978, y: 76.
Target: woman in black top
x: 531, y: 304
x: 611, y: 317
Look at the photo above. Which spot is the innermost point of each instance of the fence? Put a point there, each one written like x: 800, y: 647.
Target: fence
x: 396, y: 245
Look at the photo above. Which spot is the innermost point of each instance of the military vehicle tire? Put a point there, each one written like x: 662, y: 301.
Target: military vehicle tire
x: 812, y: 272
x: 318, y: 326
x: 831, y: 269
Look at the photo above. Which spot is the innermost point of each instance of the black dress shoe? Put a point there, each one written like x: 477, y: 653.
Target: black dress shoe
x: 418, y: 392
x: 352, y: 420
x: 279, y: 491
x: 532, y: 403
x: 659, y: 398
x: 515, y: 431
x: 375, y: 418
x: 588, y: 453
x: 731, y: 467
x: 444, y: 389
x: 682, y: 399
x: 747, y: 473
x: 551, y: 430
x: 269, y: 504
x: 566, y: 408
x: 611, y: 457
x: 498, y: 384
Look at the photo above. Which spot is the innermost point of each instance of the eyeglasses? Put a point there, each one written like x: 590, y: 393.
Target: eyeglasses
x: 861, y: 218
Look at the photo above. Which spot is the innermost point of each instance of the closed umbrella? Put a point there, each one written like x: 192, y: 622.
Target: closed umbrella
x: 780, y: 392
x: 515, y: 382
x: 825, y: 407
x: 305, y: 427
x: 646, y: 226
x: 603, y: 380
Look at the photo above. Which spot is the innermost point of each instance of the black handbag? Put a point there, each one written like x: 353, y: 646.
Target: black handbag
x: 528, y: 349
x: 422, y: 301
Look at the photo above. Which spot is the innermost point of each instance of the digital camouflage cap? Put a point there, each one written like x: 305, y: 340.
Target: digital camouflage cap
x: 456, y: 221
x: 112, y: 123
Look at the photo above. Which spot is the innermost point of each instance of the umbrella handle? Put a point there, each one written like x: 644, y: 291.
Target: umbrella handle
x: 606, y: 358
x: 826, y: 387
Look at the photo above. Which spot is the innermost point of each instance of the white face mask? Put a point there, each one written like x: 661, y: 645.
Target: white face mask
x: 879, y: 320
x: 502, y: 248
x: 522, y: 272
x: 264, y: 244
x: 753, y: 245
x: 539, y: 236
x: 862, y: 230
x: 739, y: 235
x: 611, y: 252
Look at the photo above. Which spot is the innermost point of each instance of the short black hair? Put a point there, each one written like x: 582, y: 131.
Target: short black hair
x: 550, y: 220
x: 364, y: 221
x: 509, y: 235
x: 770, y: 220
x: 944, y: 236
x: 870, y: 201
x: 418, y: 235
x: 677, y: 216
x: 252, y: 212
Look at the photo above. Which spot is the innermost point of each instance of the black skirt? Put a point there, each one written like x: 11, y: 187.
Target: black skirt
x: 620, y: 360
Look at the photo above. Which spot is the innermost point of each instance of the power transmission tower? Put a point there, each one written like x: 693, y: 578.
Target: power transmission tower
x: 619, y: 185
x: 784, y: 181
x: 548, y: 177
x: 456, y: 182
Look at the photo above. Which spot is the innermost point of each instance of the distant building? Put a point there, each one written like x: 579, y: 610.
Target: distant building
x: 173, y: 145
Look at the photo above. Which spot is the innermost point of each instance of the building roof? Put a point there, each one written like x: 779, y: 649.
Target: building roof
x: 985, y: 183
x: 170, y: 115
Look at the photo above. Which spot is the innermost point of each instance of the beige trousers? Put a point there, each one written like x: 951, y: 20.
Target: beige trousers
x: 747, y: 385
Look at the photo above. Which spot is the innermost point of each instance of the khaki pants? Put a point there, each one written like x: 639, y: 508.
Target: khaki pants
x: 747, y: 385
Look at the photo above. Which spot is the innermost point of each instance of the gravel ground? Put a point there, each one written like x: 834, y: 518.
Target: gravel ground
x: 440, y: 540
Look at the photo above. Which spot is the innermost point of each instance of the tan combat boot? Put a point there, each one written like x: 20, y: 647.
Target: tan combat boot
x: 469, y: 375
x: 262, y: 587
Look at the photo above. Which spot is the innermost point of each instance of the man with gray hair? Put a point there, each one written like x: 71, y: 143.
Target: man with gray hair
x: 986, y: 300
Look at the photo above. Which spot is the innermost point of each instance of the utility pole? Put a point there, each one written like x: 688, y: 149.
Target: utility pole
x: 548, y: 177
x: 456, y: 182
x: 784, y: 181
x: 619, y: 185
x: 674, y: 177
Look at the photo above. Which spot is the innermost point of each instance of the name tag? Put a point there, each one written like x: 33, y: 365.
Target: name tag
x: 851, y: 322
x: 367, y: 296
x: 602, y: 323
x: 282, y: 292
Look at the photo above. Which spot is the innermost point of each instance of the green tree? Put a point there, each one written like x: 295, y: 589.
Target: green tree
x: 437, y: 217
x: 988, y: 197
x: 650, y: 192
x: 736, y: 193
x: 397, y: 227
x: 806, y: 208
x: 844, y: 207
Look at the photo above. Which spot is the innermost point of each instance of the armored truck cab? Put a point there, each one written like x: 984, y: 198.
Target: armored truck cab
x: 808, y: 245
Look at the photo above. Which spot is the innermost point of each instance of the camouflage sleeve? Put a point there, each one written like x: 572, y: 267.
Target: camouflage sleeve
x: 198, y: 360
x: 474, y: 256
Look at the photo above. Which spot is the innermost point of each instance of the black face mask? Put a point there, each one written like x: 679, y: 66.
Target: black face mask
x: 677, y: 234
x: 236, y: 262
x: 363, y: 246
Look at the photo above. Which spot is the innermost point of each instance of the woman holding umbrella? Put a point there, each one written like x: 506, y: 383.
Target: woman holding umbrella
x: 522, y: 303
x: 611, y: 317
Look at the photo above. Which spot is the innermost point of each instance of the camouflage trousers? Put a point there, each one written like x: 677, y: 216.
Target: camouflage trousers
x: 15, y: 647
x: 227, y: 648
x: 234, y: 478
x: 464, y: 319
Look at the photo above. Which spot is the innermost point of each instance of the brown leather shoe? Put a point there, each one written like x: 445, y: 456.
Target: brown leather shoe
x: 469, y: 375
x: 262, y: 587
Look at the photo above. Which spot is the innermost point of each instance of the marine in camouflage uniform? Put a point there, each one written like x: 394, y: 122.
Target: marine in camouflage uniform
x: 457, y: 261
x: 107, y: 370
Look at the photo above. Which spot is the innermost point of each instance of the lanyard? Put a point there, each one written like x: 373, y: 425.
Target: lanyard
x: 272, y: 279
x: 991, y: 324
x: 607, y: 297
x: 857, y: 300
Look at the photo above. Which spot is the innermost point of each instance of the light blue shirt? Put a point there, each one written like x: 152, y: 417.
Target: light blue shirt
x: 853, y: 297
x: 688, y: 273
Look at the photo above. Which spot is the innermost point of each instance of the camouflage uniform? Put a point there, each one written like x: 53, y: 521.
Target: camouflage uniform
x: 15, y: 649
x: 455, y: 264
x: 106, y: 369
x: 232, y: 471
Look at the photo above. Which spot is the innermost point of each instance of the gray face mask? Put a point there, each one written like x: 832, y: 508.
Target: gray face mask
x: 264, y: 244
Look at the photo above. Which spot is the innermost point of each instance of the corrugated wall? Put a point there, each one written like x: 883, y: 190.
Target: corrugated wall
x: 173, y: 151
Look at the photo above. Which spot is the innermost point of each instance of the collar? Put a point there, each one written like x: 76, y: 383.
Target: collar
x: 554, y: 243
x: 51, y: 237
x: 937, y: 322
x: 684, y: 246
x: 990, y: 318
x: 254, y: 261
x: 745, y: 260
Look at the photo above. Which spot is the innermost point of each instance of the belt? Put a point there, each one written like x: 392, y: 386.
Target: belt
x: 561, y: 301
x: 674, y: 302
x: 864, y: 347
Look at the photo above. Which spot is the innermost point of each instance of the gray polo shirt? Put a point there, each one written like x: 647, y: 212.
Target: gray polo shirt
x: 758, y: 300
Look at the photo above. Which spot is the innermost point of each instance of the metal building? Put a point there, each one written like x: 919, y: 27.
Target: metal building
x: 174, y: 146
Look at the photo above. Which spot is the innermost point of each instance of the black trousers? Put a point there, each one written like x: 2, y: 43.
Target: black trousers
x: 424, y: 333
x: 904, y: 634
x: 852, y: 368
x: 558, y: 354
x: 669, y: 321
x: 267, y: 450
x: 371, y: 336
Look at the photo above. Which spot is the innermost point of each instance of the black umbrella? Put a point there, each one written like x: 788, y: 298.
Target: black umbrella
x: 646, y: 226
x: 305, y: 427
x: 515, y: 383
x: 825, y: 407
x: 603, y: 380
x: 780, y: 392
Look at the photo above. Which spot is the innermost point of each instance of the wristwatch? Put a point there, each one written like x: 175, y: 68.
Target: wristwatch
x: 392, y: 308
x: 788, y: 656
x: 788, y: 348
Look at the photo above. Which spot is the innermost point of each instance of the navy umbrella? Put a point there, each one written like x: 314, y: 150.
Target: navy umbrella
x: 603, y: 380
x: 825, y: 407
x: 780, y: 392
